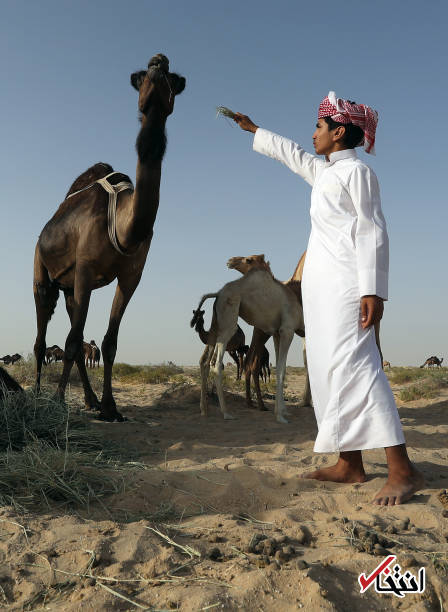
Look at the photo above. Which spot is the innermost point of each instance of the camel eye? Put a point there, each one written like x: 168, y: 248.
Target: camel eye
x: 249, y: 260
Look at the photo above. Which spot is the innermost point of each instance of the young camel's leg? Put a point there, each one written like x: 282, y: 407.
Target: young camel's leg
x: 218, y: 368
x: 226, y: 324
x: 73, y: 344
x: 307, y: 399
x: 90, y: 398
x: 45, y: 298
x: 282, y: 341
x: 234, y: 355
x: 259, y: 339
x: 123, y: 293
x: 204, y: 364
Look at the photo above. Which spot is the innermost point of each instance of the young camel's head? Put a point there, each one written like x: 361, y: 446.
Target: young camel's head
x: 251, y: 262
x: 198, y: 318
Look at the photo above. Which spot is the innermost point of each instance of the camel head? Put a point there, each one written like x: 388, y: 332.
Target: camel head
x: 157, y: 86
x: 245, y: 264
x: 198, y: 317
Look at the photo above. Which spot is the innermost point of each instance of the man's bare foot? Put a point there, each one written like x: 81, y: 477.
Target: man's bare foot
x: 340, y: 472
x: 399, y: 488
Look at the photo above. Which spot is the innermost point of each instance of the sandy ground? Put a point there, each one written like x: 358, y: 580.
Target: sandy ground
x: 244, y: 532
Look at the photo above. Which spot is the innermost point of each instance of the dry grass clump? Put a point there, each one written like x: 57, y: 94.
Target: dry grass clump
x: 405, y: 375
x: 24, y: 371
x: 42, y: 474
x: 49, y: 454
x: 25, y: 417
x: 162, y: 373
x: 223, y: 111
x: 425, y: 389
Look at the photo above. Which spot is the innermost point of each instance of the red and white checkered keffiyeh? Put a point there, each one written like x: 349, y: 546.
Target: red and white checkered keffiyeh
x: 343, y: 111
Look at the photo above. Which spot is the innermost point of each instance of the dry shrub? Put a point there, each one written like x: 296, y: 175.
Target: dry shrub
x: 50, y: 454
x: 404, y: 375
x: 125, y: 373
x: 427, y: 389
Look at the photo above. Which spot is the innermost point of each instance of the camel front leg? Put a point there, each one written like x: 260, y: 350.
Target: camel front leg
x: 90, y: 399
x: 123, y: 293
x: 219, y: 351
x: 282, y: 341
x: 78, y: 308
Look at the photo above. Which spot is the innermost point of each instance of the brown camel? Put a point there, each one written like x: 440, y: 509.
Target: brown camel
x: 93, y: 239
x: 96, y: 354
x: 433, y: 361
x: 235, y: 346
x: 8, y: 384
x: 265, y: 368
x: 88, y: 353
x: 11, y: 359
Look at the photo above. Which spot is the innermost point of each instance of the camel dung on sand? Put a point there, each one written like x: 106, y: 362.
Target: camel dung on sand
x: 265, y: 303
x: 102, y: 231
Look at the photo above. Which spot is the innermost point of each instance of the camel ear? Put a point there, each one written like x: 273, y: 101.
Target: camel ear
x: 137, y: 79
x: 178, y: 83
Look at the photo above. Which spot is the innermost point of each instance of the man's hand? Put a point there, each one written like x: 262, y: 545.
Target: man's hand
x: 372, y: 308
x: 245, y: 123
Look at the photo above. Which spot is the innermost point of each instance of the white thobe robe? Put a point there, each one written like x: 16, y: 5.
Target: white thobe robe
x: 347, y: 257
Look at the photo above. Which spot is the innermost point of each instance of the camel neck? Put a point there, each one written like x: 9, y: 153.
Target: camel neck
x: 203, y: 335
x: 137, y: 217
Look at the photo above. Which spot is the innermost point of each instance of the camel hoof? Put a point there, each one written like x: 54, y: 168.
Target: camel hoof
x: 229, y: 417
x: 281, y: 419
x: 111, y: 418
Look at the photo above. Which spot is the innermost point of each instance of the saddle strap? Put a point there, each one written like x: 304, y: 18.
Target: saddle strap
x: 113, y: 191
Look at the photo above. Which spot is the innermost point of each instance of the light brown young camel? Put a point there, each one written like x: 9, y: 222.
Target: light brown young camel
x: 265, y: 303
x: 235, y: 346
x: 79, y: 250
x: 254, y: 359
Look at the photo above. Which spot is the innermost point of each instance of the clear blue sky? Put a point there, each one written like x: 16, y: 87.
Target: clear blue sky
x: 66, y: 103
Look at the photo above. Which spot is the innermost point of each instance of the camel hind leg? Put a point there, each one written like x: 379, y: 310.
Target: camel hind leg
x: 226, y: 313
x: 45, y: 298
x: 204, y: 364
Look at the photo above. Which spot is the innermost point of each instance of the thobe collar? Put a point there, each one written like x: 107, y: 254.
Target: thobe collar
x: 338, y: 155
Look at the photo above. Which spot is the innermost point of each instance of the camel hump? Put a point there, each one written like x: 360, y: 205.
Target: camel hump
x: 91, y: 175
x: 95, y: 172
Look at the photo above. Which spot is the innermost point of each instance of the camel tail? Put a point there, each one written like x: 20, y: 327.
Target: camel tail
x: 196, y: 312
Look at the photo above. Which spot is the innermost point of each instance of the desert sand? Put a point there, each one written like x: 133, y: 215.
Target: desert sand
x: 215, y: 517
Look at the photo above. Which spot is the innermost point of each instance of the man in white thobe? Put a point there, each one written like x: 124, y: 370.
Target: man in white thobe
x: 344, y: 284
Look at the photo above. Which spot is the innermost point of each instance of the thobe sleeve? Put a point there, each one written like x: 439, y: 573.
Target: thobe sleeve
x: 288, y: 152
x: 371, y: 240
